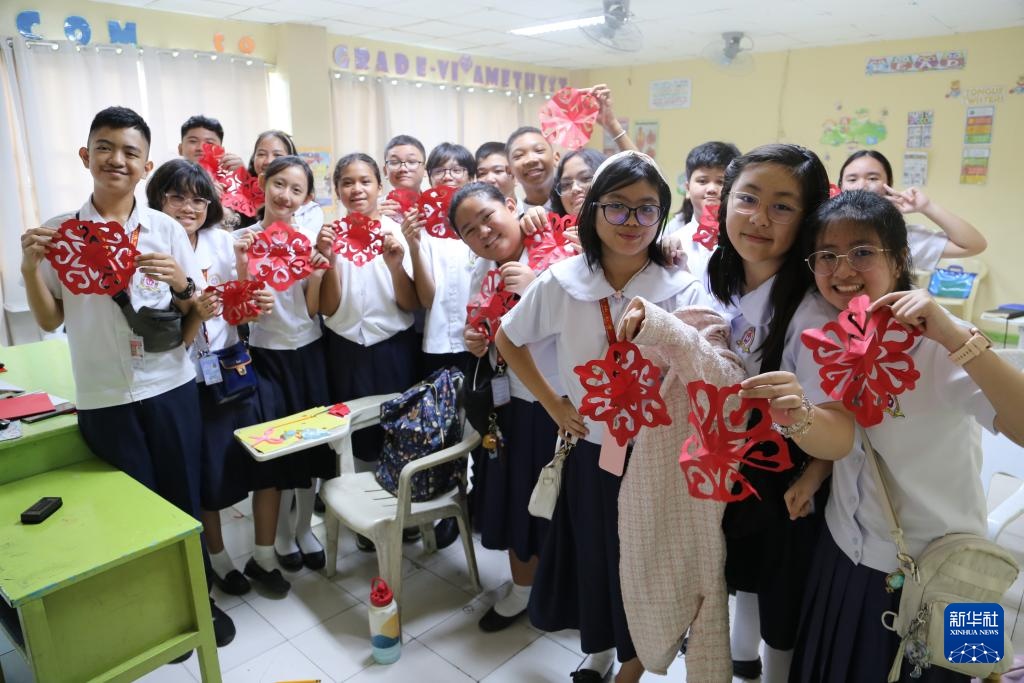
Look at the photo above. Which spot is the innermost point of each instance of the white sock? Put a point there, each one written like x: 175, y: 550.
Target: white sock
x: 304, y: 499
x: 285, y: 541
x: 514, y: 602
x: 221, y: 563
x: 776, y: 665
x: 600, y: 661
x: 746, y: 628
x: 263, y: 555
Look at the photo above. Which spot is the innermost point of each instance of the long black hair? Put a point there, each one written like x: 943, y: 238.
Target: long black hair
x: 184, y: 177
x: 877, y: 156
x: 591, y: 157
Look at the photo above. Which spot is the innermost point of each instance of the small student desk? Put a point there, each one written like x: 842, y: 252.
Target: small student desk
x: 112, y: 585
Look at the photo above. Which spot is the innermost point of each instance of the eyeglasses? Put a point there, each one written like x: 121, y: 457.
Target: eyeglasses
x: 780, y: 213
x: 454, y: 171
x: 617, y: 213
x: 567, y: 184
x: 395, y: 164
x: 176, y: 201
x: 861, y: 259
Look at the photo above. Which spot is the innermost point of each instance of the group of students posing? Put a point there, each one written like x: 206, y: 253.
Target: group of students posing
x: 634, y: 563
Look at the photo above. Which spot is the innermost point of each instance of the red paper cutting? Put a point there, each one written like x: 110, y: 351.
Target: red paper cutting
x: 863, y: 358
x: 723, y: 439
x: 623, y: 391
x: 487, y: 306
x: 238, y: 298
x: 280, y: 256
x: 339, y: 410
x: 358, y: 238
x: 833, y: 190
x: 210, y: 158
x: 568, y: 118
x: 92, y: 258
x: 405, y: 197
x: 244, y: 193
x: 550, y: 245
x: 707, y: 227
x: 433, y: 205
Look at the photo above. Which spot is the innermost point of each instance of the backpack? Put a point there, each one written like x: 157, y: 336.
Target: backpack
x: 423, y: 420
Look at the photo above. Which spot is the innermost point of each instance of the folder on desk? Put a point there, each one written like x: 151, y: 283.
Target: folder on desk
x: 1005, y: 312
x: 17, y: 407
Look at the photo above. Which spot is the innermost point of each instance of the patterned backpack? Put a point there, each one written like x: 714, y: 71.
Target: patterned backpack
x: 423, y: 420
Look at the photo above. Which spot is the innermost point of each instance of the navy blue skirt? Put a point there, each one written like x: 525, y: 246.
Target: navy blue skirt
x: 577, y: 581
x: 841, y: 638
x: 293, y: 381
x: 389, y: 366
x: 506, y: 485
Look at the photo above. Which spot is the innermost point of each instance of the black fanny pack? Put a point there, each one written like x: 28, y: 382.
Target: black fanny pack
x: 160, y: 329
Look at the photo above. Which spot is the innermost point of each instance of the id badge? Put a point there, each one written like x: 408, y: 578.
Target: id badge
x: 137, y: 349
x: 501, y: 390
x: 209, y: 365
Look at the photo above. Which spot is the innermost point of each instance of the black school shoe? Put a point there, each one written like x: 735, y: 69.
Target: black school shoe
x: 446, y: 532
x: 223, y: 626
x: 747, y: 669
x: 272, y: 580
x: 492, y: 622
x: 233, y: 583
x: 590, y: 676
x: 411, y: 534
x: 316, y: 560
x: 292, y: 561
x: 364, y: 544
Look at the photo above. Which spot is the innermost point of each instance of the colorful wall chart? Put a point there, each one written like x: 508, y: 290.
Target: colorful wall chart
x: 913, y: 63
x: 974, y: 165
x: 978, y: 129
x: 647, y: 138
x: 919, y: 129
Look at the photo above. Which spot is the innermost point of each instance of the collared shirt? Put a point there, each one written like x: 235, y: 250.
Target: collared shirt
x: 697, y: 255
x: 215, y: 255
x: 309, y: 219
x: 451, y: 265
x: 98, y: 333
x: 563, y: 303
x: 750, y: 319
x: 926, y: 246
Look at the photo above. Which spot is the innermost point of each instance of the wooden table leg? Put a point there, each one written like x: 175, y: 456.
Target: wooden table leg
x: 39, y: 649
x: 209, y: 666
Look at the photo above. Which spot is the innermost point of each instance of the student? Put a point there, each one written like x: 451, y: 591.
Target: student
x: 403, y: 161
x: 271, y: 145
x: 492, y: 167
x: 533, y: 160
x: 756, y: 271
x: 572, y: 180
x: 288, y: 355
x: 860, y: 247
x: 184, y: 191
x: 577, y: 579
x: 202, y: 130
x: 870, y: 170
x: 486, y: 221
x: 138, y: 410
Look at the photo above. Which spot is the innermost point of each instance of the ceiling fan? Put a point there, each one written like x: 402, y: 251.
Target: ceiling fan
x: 732, y: 52
x: 617, y: 30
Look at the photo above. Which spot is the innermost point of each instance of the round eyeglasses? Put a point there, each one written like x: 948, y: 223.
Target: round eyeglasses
x: 861, y: 259
x: 455, y: 172
x: 567, y: 184
x: 746, y: 203
x: 177, y: 201
x: 618, y: 213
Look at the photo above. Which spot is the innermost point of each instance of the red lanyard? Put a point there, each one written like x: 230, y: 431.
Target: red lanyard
x: 606, y: 314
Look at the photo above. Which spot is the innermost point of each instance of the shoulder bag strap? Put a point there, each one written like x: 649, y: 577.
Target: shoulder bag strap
x: 904, y: 557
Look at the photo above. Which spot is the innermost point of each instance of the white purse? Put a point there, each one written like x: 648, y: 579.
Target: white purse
x: 545, y: 491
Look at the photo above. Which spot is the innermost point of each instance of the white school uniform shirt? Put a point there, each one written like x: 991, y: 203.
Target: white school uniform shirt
x: 544, y: 353
x: 697, y: 255
x: 215, y: 255
x: 309, y: 219
x: 98, y: 333
x: 369, y: 311
x: 450, y: 263
x: 749, y: 318
x: 289, y: 326
x: 926, y: 246
x: 563, y: 303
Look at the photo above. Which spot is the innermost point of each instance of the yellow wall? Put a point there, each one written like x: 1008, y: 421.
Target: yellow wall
x: 788, y: 96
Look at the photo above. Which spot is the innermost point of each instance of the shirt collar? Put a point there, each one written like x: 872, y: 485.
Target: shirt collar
x: 754, y: 305
x: 655, y: 283
x: 89, y: 212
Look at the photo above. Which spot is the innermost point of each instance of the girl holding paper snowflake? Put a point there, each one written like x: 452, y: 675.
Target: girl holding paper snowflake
x: 577, y: 581
x: 859, y: 248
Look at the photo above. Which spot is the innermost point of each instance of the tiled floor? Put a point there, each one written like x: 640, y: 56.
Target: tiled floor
x: 319, y: 631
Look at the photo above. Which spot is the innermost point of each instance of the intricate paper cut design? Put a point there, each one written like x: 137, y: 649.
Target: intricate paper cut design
x: 722, y: 441
x: 358, y: 238
x: 238, y: 299
x: 405, y: 197
x: 484, y: 311
x: 707, y: 227
x: 433, y: 205
x: 92, y: 258
x: 550, y: 245
x: 863, y: 358
x: 280, y: 256
x: 568, y: 118
x: 240, y: 191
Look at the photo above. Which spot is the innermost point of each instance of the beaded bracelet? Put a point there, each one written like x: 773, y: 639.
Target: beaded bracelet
x: 800, y: 428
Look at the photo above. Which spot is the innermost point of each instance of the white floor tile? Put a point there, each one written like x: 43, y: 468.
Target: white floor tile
x: 312, y: 600
x: 418, y: 664
x: 225, y: 601
x: 172, y: 673
x: 15, y: 668
x: 542, y: 661
x: 568, y: 638
x: 341, y: 645
x: 450, y: 565
x: 254, y: 637
x: 346, y: 539
x: 427, y: 600
x: 282, y: 663
x: 356, y: 571
x: 460, y: 641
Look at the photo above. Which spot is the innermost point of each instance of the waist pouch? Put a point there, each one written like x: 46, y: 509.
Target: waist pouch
x: 160, y: 329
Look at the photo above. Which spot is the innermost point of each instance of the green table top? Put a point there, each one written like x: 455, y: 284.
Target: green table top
x: 106, y: 520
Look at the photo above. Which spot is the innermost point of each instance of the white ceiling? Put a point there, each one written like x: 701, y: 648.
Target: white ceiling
x: 672, y: 29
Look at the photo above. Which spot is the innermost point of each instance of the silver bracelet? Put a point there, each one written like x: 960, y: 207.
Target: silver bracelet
x: 619, y: 135
x: 800, y: 428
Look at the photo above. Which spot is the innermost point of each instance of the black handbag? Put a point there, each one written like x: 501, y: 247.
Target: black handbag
x: 160, y: 329
x: 238, y: 378
x: 477, y: 397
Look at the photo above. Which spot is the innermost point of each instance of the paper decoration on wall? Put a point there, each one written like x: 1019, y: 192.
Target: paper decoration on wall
x: 978, y: 127
x: 358, y: 239
x: 1018, y: 89
x: 974, y: 165
x: 863, y: 358
x: 484, y: 311
x: 978, y: 95
x: 608, y: 144
x: 855, y: 131
x: 723, y: 439
x: 646, y: 139
x: 93, y: 258
x: 319, y: 161
x: 238, y: 298
x: 404, y: 197
x: 568, y: 118
x: 707, y: 226
x: 315, y: 423
x: 433, y: 205
x: 915, y: 63
x: 280, y: 256
x: 623, y: 390
x: 954, y: 89
x: 919, y: 129
x: 550, y: 245
x: 670, y: 94
x: 915, y: 169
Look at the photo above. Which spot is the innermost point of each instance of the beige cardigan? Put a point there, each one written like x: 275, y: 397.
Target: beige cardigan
x: 671, y: 547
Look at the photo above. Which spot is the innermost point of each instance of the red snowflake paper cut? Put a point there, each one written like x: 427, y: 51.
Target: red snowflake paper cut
x: 339, y: 410
x: 238, y: 298
x: 722, y: 441
x: 550, y: 245
x: 244, y: 194
x: 707, y: 227
x: 92, y: 258
x: 484, y: 311
x: 358, y: 239
x: 433, y: 205
x: 864, y: 360
x: 405, y: 197
x: 280, y: 256
x: 833, y: 190
x: 568, y: 118
x: 623, y: 391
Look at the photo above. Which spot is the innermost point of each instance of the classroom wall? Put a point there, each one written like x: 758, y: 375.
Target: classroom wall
x: 789, y: 96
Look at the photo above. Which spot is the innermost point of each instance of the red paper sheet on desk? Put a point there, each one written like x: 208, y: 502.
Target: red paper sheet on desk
x: 25, y: 405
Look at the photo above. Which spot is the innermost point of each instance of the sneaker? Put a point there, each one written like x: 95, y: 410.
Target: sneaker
x: 272, y: 580
x: 223, y: 627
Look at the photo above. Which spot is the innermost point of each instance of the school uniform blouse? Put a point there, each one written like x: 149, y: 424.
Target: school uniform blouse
x: 451, y: 265
x: 697, y: 255
x: 215, y: 254
x: 309, y: 219
x: 98, y: 333
x: 289, y: 326
x: 369, y: 311
x: 563, y: 303
x: 749, y: 325
x: 926, y: 246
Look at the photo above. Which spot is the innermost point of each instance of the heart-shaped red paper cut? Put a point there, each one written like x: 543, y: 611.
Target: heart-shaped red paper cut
x: 550, y: 245
x: 358, y: 238
x: 433, y: 205
x: 706, y: 234
x: 91, y: 257
x: 244, y: 193
x: 568, y: 118
x: 238, y: 299
x: 405, y: 197
x: 484, y: 311
x: 280, y: 256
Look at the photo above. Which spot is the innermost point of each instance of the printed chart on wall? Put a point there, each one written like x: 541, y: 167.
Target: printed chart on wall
x: 915, y: 169
x: 978, y: 129
x: 974, y: 166
x: 672, y: 94
x: 919, y: 129
x: 319, y: 161
x: 647, y: 138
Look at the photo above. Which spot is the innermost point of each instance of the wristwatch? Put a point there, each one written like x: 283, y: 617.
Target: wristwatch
x: 186, y: 294
x: 972, y: 348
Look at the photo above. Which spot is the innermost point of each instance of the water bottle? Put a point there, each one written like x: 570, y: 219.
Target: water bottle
x: 385, y: 628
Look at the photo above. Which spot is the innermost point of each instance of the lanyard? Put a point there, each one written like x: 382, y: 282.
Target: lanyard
x: 606, y: 314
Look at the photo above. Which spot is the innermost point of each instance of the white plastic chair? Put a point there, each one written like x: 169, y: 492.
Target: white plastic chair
x: 1002, y: 456
x: 356, y: 500
x: 963, y: 308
